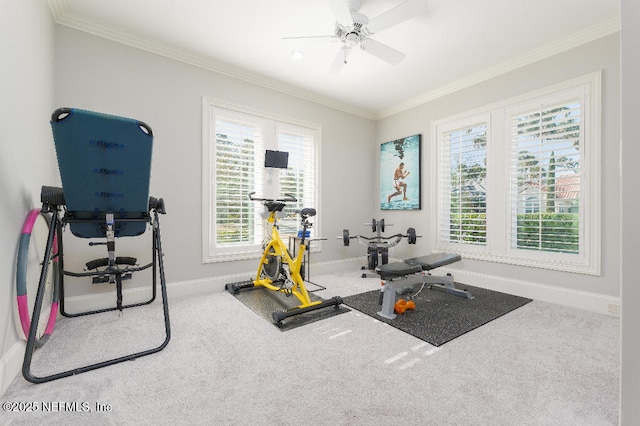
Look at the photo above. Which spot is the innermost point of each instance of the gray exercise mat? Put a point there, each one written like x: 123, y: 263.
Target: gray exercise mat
x: 440, y: 317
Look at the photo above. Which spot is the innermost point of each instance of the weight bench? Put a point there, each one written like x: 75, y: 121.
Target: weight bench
x: 413, y: 271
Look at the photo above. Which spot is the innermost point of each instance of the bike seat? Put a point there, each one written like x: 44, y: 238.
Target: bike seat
x: 274, y: 206
x: 308, y: 212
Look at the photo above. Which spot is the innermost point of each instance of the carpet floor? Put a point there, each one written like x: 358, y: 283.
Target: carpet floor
x: 541, y: 364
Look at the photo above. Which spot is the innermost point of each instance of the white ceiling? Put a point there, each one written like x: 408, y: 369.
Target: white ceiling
x: 455, y: 43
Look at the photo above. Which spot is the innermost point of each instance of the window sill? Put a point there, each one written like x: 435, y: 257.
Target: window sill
x: 593, y: 268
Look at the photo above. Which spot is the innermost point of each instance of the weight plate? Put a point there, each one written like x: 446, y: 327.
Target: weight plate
x: 411, y: 235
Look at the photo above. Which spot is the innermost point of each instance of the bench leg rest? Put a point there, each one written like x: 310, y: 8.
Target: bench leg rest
x: 445, y: 283
x: 388, y: 300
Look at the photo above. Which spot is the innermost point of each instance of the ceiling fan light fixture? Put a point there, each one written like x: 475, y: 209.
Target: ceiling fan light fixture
x: 297, y: 54
x: 352, y: 39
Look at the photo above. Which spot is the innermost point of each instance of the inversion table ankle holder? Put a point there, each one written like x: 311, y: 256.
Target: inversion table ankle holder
x: 413, y: 271
x: 105, y: 166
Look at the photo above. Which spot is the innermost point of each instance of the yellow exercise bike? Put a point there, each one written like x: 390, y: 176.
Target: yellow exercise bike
x: 277, y: 270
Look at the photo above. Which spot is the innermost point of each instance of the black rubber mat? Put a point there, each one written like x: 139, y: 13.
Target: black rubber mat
x: 440, y: 317
x: 264, y: 302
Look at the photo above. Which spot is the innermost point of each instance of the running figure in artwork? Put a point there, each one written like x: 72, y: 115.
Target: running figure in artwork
x: 401, y: 188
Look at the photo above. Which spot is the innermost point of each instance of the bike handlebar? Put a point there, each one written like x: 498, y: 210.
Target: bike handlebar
x: 289, y: 197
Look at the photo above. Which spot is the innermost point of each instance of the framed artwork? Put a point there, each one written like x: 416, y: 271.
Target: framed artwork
x: 400, y: 174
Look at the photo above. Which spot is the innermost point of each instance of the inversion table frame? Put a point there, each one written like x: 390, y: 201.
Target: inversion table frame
x: 413, y: 271
x: 97, y: 135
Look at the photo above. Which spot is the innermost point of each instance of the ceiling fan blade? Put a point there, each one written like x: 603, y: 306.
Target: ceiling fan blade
x: 341, y: 11
x: 382, y: 51
x: 400, y: 13
x: 340, y: 59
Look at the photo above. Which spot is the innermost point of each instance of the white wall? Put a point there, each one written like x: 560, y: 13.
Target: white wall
x: 630, y: 378
x: 27, y: 159
x: 573, y: 289
x: 98, y: 74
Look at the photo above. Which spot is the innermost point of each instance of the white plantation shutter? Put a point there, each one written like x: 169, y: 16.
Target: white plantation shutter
x: 235, y: 139
x: 463, y: 184
x: 545, y: 184
x: 238, y: 149
x: 518, y: 181
x: 299, y: 178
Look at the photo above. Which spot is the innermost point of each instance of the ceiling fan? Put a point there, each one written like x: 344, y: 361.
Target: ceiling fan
x: 354, y: 29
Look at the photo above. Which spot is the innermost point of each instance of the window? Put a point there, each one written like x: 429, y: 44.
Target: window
x: 234, y: 143
x: 463, y: 183
x: 237, y: 146
x: 518, y: 181
x: 299, y: 178
x: 545, y: 179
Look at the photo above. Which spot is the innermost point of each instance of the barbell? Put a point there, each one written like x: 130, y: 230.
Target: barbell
x: 410, y: 236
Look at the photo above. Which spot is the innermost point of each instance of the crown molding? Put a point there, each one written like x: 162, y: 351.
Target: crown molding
x: 63, y: 16
x: 587, y: 35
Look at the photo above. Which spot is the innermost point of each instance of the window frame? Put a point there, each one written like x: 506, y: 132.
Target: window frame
x: 270, y: 138
x: 444, y: 208
x: 498, y: 199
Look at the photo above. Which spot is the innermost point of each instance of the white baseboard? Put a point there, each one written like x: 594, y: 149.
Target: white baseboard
x: 205, y: 285
x: 593, y: 302
x: 342, y: 265
x: 188, y: 288
x: 11, y: 364
x: 213, y: 284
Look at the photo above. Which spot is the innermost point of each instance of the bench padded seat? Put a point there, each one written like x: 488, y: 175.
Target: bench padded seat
x: 434, y: 261
x: 397, y: 269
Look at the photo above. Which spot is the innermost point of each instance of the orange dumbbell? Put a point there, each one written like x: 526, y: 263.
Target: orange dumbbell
x: 402, y: 305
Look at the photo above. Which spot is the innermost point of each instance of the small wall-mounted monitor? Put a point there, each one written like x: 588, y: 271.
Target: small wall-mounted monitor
x: 276, y: 159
